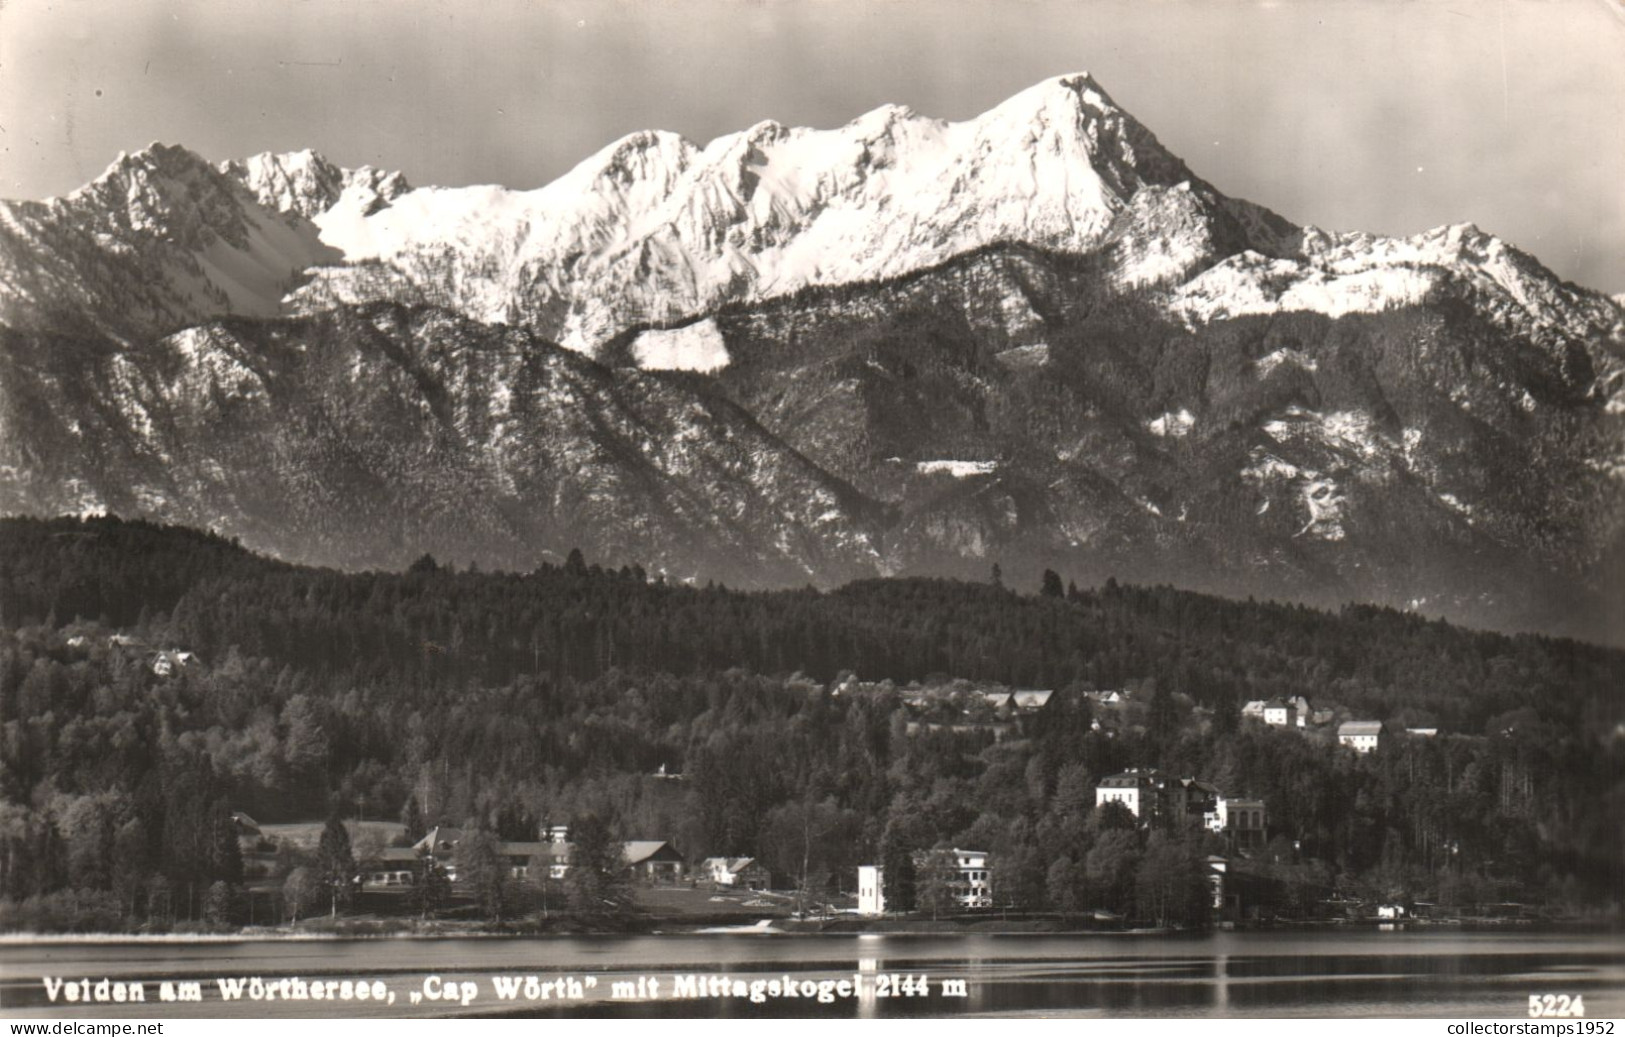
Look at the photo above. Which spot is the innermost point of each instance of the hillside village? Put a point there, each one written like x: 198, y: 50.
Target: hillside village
x: 941, y: 882
x: 194, y: 736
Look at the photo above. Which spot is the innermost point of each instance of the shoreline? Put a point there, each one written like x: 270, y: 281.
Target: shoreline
x: 899, y: 927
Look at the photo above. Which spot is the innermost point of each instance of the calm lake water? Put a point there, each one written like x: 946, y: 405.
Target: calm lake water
x: 1337, y: 973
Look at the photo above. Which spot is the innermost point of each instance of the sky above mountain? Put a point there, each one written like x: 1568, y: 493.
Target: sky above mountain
x: 1378, y: 115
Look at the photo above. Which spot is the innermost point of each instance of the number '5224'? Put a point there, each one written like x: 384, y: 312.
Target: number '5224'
x: 1556, y: 1006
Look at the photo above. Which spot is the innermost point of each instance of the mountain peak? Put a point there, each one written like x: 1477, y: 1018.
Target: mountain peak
x: 157, y: 158
x: 1073, y: 115
x: 879, y: 121
x: 1071, y: 91
x: 632, y: 158
x: 162, y: 189
x: 306, y: 183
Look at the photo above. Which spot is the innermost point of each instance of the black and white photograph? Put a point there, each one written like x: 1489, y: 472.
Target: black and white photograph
x: 812, y: 509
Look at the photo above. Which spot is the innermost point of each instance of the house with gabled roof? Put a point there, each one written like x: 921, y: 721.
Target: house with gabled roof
x: 736, y: 872
x: 650, y: 860
x: 523, y: 857
x: 1363, y: 736
x: 655, y: 861
x: 439, y: 841
x: 1030, y: 699
x: 996, y: 700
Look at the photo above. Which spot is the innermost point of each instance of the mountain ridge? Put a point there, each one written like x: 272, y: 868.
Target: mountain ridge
x: 902, y: 345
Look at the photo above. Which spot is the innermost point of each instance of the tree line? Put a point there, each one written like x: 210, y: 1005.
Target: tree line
x: 512, y: 702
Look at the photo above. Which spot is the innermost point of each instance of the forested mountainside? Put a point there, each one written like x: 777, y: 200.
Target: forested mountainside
x: 366, y: 436
x: 509, y: 698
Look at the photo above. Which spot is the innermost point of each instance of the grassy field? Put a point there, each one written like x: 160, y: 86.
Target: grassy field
x: 686, y: 902
x: 306, y: 835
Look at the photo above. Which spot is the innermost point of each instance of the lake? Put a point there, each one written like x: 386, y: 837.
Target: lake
x: 1334, y: 972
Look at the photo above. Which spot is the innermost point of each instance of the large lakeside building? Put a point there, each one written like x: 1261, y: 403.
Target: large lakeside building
x: 1152, y: 796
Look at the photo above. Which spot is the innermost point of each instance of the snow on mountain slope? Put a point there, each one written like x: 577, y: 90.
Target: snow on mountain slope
x: 306, y: 183
x: 692, y: 347
x: 1364, y: 273
x: 160, y: 240
x: 654, y: 229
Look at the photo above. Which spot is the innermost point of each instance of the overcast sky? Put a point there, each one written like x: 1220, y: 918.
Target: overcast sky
x: 1383, y: 115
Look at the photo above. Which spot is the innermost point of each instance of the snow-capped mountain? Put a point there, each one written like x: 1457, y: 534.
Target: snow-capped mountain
x: 159, y: 241
x: 901, y: 345
x: 654, y: 228
x: 307, y: 184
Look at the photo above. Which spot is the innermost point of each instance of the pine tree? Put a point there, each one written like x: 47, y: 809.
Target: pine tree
x: 226, y: 862
x: 1051, y: 587
x: 575, y: 564
x: 424, y: 565
x: 412, y: 819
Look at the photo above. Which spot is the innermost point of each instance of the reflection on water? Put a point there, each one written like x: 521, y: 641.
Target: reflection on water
x: 867, y: 967
x: 1321, y: 973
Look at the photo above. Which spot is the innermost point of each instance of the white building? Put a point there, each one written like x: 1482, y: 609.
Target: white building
x: 1363, y: 736
x: 1301, y: 706
x: 871, y: 889
x: 1280, y: 714
x: 976, y: 885
x: 740, y: 872
x: 1147, y: 793
x: 1132, y: 788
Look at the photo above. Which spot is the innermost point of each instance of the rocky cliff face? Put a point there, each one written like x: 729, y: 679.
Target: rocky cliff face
x: 903, y: 345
